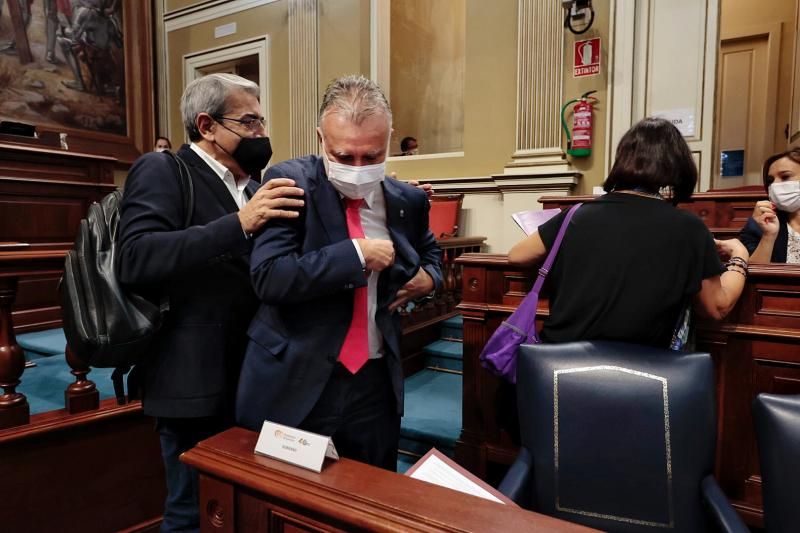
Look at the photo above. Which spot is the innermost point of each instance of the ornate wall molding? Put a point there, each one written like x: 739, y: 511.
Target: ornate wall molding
x: 540, y: 60
x: 380, y: 44
x: 303, y: 75
x: 561, y: 182
x: 197, y: 14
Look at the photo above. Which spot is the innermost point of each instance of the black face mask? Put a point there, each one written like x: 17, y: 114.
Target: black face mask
x: 252, y: 154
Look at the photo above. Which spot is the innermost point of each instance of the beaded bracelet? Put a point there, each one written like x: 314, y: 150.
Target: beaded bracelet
x: 739, y: 264
x: 736, y: 268
x: 736, y: 260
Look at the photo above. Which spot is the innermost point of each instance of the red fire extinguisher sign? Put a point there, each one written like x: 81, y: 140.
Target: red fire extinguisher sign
x: 586, y: 58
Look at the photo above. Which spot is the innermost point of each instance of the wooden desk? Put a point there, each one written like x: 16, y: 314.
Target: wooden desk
x: 756, y: 349
x: 242, y: 491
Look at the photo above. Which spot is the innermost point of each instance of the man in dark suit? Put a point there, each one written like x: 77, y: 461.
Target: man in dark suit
x: 190, y: 371
x: 324, y: 352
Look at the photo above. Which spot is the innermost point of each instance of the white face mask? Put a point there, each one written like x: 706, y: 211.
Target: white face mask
x: 355, y: 182
x: 785, y: 195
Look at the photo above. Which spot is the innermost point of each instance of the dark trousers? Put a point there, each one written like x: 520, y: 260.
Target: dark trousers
x: 359, y: 412
x: 181, y: 509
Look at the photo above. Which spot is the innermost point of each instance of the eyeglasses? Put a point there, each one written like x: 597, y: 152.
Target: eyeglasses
x: 251, y: 123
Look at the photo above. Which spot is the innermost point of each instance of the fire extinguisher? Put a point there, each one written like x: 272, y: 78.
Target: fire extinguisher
x: 579, y: 142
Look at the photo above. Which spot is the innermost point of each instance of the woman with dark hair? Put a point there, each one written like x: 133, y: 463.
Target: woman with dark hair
x: 772, y: 234
x: 162, y: 143
x: 630, y: 262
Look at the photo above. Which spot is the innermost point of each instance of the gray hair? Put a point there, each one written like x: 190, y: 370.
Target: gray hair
x: 356, y: 97
x: 209, y: 94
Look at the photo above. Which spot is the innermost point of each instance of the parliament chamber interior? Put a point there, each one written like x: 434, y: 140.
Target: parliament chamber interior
x: 507, y: 114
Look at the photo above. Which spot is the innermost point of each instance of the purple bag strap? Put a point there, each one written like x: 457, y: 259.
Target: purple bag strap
x: 524, y: 318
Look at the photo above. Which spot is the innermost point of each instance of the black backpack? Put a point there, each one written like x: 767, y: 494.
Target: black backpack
x: 107, y: 325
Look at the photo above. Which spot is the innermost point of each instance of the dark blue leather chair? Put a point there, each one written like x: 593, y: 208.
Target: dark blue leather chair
x: 777, y: 421
x: 619, y: 437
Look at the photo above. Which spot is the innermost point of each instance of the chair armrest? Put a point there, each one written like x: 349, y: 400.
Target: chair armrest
x: 515, y: 484
x: 725, y: 516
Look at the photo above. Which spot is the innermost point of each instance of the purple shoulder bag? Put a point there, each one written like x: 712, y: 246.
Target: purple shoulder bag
x: 499, y: 355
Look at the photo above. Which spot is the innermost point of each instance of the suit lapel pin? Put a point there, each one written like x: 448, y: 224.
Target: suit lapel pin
x: 402, y: 213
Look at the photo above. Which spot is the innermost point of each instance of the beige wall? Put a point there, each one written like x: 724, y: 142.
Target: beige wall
x: 344, y: 36
x: 489, y: 112
x: 489, y: 97
x: 427, y: 74
x: 739, y: 15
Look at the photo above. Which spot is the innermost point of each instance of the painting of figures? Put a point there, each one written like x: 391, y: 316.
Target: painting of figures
x: 62, y: 64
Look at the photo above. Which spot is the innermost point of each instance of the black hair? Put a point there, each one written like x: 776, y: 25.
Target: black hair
x: 653, y: 156
x: 404, y: 143
x: 792, y: 153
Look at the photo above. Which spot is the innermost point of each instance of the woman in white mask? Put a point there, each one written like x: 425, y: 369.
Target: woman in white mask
x: 773, y: 232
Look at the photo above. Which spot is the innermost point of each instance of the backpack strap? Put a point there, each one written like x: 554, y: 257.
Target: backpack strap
x: 187, y: 187
x: 187, y: 190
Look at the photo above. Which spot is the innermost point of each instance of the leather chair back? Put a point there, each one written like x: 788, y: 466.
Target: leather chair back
x: 777, y: 421
x: 621, y: 435
x: 444, y: 214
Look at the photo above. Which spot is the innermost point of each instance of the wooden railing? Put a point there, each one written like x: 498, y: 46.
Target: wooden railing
x: 420, y: 325
x: 80, y: 396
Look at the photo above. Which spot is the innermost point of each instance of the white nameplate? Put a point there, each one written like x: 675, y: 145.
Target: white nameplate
x: 295, y: 446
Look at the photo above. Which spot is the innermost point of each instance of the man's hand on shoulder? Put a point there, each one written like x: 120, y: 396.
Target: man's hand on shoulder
x: 275, y: 199
x: 420, y: 285
x: 427, y: 187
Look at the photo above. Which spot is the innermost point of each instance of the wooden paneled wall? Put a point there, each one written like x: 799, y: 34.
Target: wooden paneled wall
x: 44, y: 193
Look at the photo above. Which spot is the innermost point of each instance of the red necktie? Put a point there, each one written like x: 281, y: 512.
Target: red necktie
x: 355, y: 350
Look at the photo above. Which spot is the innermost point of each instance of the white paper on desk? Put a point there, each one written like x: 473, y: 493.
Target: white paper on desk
x: 436, y: 471
x: 530, y: 221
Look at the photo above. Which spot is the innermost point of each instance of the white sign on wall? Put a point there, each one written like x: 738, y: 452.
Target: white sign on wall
x: 682, y: 118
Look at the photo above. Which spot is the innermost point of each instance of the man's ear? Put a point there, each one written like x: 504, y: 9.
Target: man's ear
x: 206, y: 126
x: 319, y: 135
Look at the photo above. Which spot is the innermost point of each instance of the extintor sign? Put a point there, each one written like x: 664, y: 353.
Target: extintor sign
x: 586, y: 58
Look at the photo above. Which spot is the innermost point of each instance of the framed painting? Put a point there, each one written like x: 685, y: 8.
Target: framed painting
x: 80, y: 71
